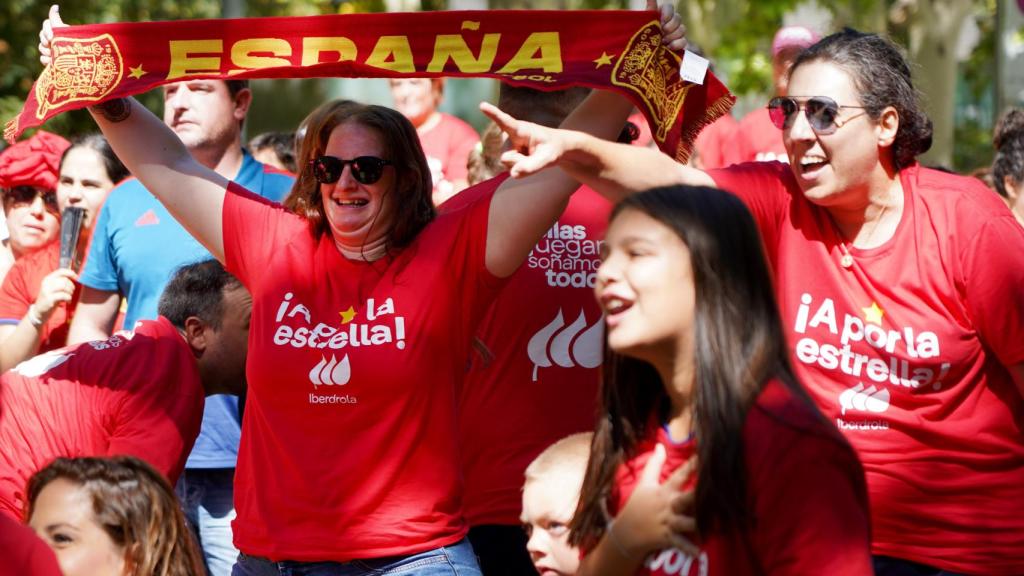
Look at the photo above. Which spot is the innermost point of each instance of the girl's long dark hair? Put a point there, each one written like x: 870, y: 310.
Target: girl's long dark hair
x: 739, y: 344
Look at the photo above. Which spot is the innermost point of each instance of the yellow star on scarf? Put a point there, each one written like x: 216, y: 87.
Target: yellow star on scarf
x: 873, y: 314
x: 605, y: 59
x: 347, y: 315
x: 137, y: 72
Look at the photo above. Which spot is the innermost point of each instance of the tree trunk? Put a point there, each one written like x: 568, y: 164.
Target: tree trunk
x: 933, y: 30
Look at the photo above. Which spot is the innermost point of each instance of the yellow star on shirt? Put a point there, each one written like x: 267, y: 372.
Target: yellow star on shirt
x: 347, y: 315
x: 137, y: 72
x: 873, y: 314
x: 604, y: 60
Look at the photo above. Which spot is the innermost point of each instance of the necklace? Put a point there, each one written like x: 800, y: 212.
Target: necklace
x: 846, y: 260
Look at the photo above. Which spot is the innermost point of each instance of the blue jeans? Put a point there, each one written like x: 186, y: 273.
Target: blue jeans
x: 455, y: 560
x: 207, y: 498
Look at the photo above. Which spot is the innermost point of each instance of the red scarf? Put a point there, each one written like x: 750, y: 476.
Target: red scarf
x: 615, y: 50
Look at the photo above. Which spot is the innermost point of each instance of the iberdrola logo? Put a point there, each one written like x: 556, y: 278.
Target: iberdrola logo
x: 578, y: 344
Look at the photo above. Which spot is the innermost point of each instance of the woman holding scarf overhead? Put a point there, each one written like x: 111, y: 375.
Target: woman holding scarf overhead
x: 364, y: 305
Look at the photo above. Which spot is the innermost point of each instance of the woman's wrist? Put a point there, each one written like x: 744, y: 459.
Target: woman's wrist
x: 623, y: 548
x: 34, y: 317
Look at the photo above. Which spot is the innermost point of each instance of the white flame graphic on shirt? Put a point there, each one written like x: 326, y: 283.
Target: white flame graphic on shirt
x: 870, y: 400
x: 568, y: 347
x: 330, y: 373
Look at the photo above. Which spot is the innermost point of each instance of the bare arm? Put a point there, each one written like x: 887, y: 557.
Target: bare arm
x: 522, y: 210
x: 94, y: 316
x: 21, y: 341
x: 612, y: 169
x: 191, y: 192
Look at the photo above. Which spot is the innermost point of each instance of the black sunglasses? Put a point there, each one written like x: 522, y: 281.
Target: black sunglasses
x: 365, y: 169
x: 821, y: 112
x: 20, y: 195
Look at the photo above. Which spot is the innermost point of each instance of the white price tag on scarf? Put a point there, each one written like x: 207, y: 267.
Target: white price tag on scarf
x: 693, y: 68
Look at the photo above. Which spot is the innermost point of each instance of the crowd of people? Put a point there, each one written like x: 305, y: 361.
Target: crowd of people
x: 383, y: 344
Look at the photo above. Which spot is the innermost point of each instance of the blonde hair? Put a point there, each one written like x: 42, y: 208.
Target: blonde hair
x: 568, y: 455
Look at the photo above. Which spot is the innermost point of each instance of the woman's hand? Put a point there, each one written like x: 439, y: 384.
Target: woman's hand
x: 673, y: 33
x: 46, y: 34
x: 657, y: 516
x: 58, y: 286
x: 533, y: 147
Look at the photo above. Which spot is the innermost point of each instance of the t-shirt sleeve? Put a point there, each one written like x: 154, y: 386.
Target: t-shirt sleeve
x: 761, y: 186
x: 811, y: 508
x: 470, y: 254
x: 253, y: 228
x: 14, y: 296
x: 99, y: 271
x: 992, y: 277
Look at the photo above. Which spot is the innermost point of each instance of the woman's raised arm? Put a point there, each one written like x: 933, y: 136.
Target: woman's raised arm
x: 191, y: 192
x: 522, y: 209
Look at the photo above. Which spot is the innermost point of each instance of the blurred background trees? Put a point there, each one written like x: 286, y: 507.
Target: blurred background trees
x: 969, y: 54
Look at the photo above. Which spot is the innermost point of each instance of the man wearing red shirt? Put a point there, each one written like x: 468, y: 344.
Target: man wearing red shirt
x: 138, y: 393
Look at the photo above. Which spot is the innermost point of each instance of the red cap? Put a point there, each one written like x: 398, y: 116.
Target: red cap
x: 793, y: 37
x: 33, y: 162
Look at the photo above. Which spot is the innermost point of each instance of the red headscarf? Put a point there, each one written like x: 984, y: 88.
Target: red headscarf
x: 33, y: 162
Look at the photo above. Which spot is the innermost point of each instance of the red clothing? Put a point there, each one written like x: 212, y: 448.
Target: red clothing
x: 758, y: 140
x: 805, y: 495
x: 23, y: 553
x: 349, y: 446
x: 906, y: 352
x: 21, y: 288
x: 715, y: 145
x: 100, y: 398
x: 447, y: 146
x: 534, y: 379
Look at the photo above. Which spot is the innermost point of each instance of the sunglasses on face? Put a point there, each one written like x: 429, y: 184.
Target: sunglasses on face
x: 365, y: 169
x: 22, y: 195
x: 821, y: 112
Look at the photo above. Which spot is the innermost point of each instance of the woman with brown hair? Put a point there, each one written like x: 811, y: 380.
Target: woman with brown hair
x: 111, y: 517
x: 900, y: 293
x: 365, y: 303
x: 697, y: 371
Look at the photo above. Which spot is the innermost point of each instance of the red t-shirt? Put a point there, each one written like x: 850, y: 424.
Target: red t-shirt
x: 716, y: 143
x: 447, y: 146
x: 137, y: 393
x: 534, y: 377
x: 758, y: 140
x: 23, y: 553
x: 349, y: 447
x: 805, y: 496
x: 21, y: 287
x: 906, y: 353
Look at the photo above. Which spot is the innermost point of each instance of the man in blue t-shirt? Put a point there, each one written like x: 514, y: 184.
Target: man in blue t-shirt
x: 137, y: 246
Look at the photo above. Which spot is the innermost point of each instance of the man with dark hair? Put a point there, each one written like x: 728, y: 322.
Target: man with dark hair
x: 139, y: 392
x: 137, y: 244
x: 275, y: 149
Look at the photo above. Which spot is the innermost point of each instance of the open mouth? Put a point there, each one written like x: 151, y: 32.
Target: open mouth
x: 355, y: 202
x: 614, y: 307
x: 810, y: 165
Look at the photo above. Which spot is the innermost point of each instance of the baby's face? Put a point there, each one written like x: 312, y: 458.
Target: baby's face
x: 548, y: 506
